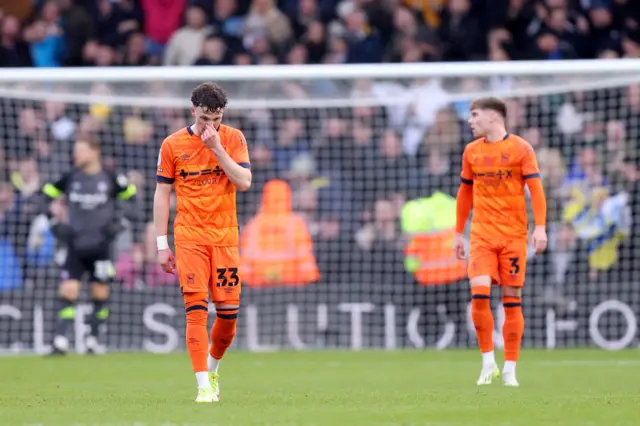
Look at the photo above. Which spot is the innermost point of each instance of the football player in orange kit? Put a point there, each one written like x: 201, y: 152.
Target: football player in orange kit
x: 495, y: 169
x: 206, y: 162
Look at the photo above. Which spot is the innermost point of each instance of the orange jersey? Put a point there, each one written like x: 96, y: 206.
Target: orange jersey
x: 498, y: 171
x: 206, y: 198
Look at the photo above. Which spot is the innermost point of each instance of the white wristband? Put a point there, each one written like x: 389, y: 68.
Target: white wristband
x: 163, y: 243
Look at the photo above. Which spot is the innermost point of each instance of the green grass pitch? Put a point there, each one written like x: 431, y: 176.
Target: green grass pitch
x: 562, y: 387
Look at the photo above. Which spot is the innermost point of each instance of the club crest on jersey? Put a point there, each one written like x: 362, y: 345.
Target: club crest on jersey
x: 504, y: 158
x: 190, y: 278
x: 184, y: 157
x: 102, y: 186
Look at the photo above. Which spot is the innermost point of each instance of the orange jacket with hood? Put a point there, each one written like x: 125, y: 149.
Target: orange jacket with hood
x: 276, y: 246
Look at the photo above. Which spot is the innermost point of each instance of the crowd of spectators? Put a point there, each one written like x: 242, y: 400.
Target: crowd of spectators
x: 56, y: 33
x: 351, y: 169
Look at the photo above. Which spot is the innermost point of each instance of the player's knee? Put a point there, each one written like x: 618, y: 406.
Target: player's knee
x: 69, y: 290
x: 100, y: 291
x: 228, y: 310
x: 226, y: 320
x: 191, y: 299
x: 231, y: 304
x: 481, y: 281
x: 508, y: 291
x: 196, y: 307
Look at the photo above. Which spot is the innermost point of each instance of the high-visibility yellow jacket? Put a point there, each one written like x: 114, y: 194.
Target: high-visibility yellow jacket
x: 430, y: 224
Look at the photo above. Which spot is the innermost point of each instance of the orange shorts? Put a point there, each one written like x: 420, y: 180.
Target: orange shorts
x: 213, y: 269
x: 505, y: 261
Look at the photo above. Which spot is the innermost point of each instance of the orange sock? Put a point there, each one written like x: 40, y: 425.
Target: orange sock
x: 223, y: 331
x: 513, y: 327
x: 197, y: 309
x: 482, y: 317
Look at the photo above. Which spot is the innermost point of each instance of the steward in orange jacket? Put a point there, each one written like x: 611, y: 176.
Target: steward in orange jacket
x: 276, y: 247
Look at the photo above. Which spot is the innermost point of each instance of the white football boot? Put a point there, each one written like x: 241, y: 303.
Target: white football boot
x: 488, y: 373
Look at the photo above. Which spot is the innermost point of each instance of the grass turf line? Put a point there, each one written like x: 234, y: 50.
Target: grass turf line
x: 562, y: 387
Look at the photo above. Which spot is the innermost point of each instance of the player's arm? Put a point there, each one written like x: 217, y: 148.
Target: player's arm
x: 538, y: 202
x: 464, y: 199
x: 533, y: 180
x: 464, y: 204
x: 125, y: 190
x: 161, y: 208
x: 239, y: 175
x: 161, y: 205
x: 236, y: 166
x: 165, y: 176
x: 57, y: 189
x: 49, y: 208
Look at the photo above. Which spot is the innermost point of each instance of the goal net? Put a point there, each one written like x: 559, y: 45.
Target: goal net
x: 370, y: 156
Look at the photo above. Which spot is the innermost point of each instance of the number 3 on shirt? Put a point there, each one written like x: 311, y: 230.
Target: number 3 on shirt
x: 233, y: 279
x: 515, y: 267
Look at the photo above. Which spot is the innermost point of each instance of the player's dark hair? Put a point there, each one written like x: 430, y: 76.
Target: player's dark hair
x: 93, y: 142
x: 491, y: 103
x: 210, y: 97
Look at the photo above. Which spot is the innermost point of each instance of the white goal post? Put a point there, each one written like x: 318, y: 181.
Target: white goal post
x: 357, y: 144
